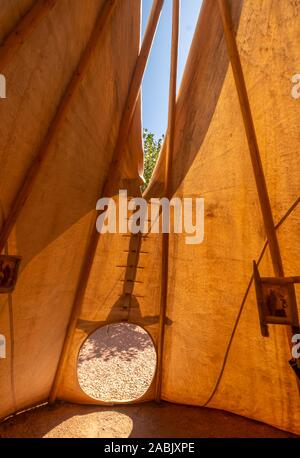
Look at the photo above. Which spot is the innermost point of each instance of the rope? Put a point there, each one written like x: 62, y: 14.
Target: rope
x: 217, y: 384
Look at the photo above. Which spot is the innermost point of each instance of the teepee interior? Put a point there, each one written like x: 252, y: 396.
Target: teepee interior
x: 207, y: 355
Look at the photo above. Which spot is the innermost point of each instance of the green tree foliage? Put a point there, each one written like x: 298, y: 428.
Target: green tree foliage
x: 152, y: 147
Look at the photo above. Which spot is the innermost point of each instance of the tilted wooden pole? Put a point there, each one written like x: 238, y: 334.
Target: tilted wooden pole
x: 261, y: 186
x: 56, y: 123
x: 168, y: 193
x: 24, y: 28
x: 133, y: 95
x: 251, y: 137
x: 112, y: 177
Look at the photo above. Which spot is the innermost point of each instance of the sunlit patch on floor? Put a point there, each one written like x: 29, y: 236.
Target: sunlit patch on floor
x: 94, y: 425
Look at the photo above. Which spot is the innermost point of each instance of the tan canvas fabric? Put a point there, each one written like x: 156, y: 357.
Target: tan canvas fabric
x: 208, y: 281
x: 52, y: 230
x: 104, y: 299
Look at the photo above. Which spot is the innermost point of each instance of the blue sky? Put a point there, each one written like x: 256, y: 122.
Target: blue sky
x: 155, y: 87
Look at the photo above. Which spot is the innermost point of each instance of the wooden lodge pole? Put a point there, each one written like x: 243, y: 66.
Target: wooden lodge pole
x: 56, y: 123
x: 24, y: 28
x: 261, y: 186
x: 112, y: 176
x: 168, y: 193
x: 251, y: 137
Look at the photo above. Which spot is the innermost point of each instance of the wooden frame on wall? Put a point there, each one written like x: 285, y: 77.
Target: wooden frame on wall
x: 9, y: 268
x: 276, y: 301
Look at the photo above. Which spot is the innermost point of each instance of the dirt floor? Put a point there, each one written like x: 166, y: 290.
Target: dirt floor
x: 144, y: 420
x: 117, y: 363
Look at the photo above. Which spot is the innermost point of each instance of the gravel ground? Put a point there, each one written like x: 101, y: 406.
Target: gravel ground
x: 117, y: 363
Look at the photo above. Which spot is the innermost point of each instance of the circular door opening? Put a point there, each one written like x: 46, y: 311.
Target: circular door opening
x: 117, y: 363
